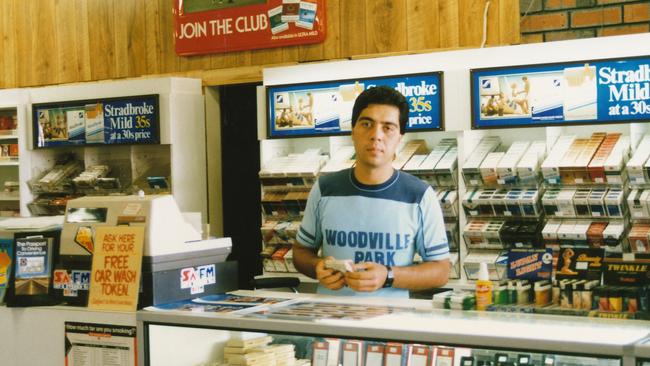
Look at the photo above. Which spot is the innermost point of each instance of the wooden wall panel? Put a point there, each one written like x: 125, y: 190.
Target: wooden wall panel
x: 62, y: 41
x: 101, y: 30
x: 353, y: 28
x: 8, y: 57
x: 422, y: 26
x: 449, y: 24
x: 386, y: 26
x: 471, y: 26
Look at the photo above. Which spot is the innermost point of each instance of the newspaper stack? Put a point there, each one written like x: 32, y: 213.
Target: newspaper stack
x: 249, y: 352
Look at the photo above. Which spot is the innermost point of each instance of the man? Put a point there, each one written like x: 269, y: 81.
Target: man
x: 373, y: 214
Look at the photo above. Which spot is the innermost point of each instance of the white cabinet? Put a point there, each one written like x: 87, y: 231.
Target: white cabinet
x: 177, y: 162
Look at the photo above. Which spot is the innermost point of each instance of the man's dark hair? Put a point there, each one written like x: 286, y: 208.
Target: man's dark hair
x: 382, y: 95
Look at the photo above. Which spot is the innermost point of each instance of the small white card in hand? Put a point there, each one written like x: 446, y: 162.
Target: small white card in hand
x: 341, y: 265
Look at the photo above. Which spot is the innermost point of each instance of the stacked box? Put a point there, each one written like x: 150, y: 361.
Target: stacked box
x: 445, y: 169
x: 635, y: 166
x: 551, y: 165
x: 470, y: 202
x: 488, y: 168
x: 410, y: 148
x: 528, y: 168
x: 615, y: 163
x: 565, y: 232
x: 564, y: 203
x: 507, y: 166
x: 413, y: 165
x: 579, y: 235
x: 636, y: 202
x: 596, y: 167
x: 567, y: 165
x: 597, y: 202
x: 429, y: 163
x: 512, y: 203
x: 549, y: 202
x: 473, y: 234
x: 342, y: 158
x: 638, y: 238
x: 499, y: 202
x: 451, y: 229
x: 581, y: 202
x: 529, y: 203
x: 471, y: 167
x: 448, y: 203
x: 595, y: 234
x: 581, y: 170
x: 549, y: 233
x: 613, y: 233
x: 615, y: 203
x: 492, y: 234
x: 485, y: 202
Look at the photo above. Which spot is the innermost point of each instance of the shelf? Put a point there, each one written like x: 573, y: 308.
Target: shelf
x: 300, y: 276
x: 9, y: 163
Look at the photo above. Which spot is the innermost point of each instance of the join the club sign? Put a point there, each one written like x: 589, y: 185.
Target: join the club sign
x: 597, y: 91
x: 325, y: 108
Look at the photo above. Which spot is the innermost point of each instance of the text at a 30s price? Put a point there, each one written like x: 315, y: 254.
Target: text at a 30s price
x: 635, y: 108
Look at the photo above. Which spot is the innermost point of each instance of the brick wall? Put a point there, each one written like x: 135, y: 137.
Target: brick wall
x: 556, y: 20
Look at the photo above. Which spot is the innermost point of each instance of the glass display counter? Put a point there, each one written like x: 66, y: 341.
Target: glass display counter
x: 449, y: 337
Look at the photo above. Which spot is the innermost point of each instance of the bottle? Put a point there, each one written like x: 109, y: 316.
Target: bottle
x: 483, y: 288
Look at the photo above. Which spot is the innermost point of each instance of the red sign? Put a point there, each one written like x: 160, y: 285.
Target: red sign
x: 206, y: 26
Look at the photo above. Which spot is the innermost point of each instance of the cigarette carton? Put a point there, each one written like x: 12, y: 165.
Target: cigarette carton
x: 636, y: 164
x: 551, y: 165
x: 507, y: 166
x: 488, y: 168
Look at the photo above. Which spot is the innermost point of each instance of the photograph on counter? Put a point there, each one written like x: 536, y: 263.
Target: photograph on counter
x: 193, y: 306
x: 325, y: 108
x: 319, y: 310
x: 232, y: 299
x: 561, y: 94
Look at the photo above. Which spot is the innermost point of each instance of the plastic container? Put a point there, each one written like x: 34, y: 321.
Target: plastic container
x: 483, y: 288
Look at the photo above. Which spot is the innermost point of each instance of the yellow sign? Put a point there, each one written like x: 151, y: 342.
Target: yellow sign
x: 116, y: 270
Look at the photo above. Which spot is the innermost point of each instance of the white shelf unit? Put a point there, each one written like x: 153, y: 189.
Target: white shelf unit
x: 456, y: 66
x: 15, y: 102
x: 180, y: 156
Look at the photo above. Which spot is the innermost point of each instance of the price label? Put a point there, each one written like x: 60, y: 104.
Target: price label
x: 595, y: 214
x: 501, y: 181
x: 507, y: 213
x: 599, y: 180
x: 552, y: 181
x: 579, y: 181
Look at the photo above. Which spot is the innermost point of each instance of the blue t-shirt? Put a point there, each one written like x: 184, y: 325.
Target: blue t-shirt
x: 385, y: 223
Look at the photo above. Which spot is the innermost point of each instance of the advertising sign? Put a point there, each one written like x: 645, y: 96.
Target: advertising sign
x: 209, y: 26
x: 116, y: 268
x: 325, y: 108
x: 530, y: 264
x: 581, y: 92
x: 88, y: 344
x: 126, y: 120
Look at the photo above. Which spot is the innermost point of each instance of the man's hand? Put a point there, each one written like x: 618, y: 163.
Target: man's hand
x: 367, y: 277
x: 333, y: 280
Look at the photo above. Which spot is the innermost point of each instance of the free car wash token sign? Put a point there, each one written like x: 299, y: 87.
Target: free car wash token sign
x: 116, y: 268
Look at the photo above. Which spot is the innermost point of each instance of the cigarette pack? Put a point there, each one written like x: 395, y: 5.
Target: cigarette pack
x: 473, y: 234
x: 488, y: 168
x: 635, y: 166
x: 499, y: 202
x: 471, y: 167
x: 485, y: 202
x: 615, y: 202
x: 446, y: 168
x: 615, y: 163
x: 637, y: 207
x: 512, y: 203
x: 549, y: 232
x: 581, y: 202
x: 565, y: 232
x: 551, y: 165
x: 549, y: 201
x: 528, y: 168
x: 564, y: 201
x: 567, y: 166
x: 638, y: 238
x: 613, y: 233
x: 507, y: 166
x: 597, y: 202
x: 595, y: 234
x: 374, y: 354
x: 470, y: 202
x: 596, y: 167
x: 420, y: 355
x: 449, y: 203
x: 581, y: 171
x: 529, y: 203
x: 451, y: 229
x: 579, y: 235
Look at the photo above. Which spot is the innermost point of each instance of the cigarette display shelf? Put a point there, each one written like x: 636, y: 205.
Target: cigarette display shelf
x: 287, y: 177
x: 12, y: 147
x: 171, y: 162
x: 479, y: 338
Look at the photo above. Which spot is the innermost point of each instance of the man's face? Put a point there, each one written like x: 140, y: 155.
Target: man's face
x: 376, y: 135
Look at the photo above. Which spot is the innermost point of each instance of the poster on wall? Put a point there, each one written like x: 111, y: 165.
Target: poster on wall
x: 325, y: 108
x: 580, y: 92
x: 209, y: 26
x: 88, y: 344
x: 109, y: 121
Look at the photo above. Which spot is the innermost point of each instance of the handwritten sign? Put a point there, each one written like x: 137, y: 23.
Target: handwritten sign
x: 116, y: 269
